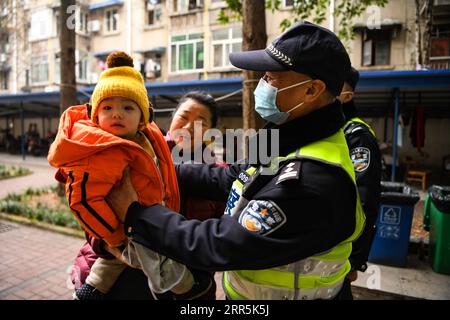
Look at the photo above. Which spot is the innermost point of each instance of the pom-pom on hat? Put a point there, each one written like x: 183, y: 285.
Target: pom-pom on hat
x: 121, y: 79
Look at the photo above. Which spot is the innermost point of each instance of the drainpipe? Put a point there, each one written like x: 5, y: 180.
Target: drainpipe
x: 22, y: 131
x: 206, y: 42
x: 15, y: 72
x: 395, y: 134
x: 129, y: 31
x: 332, y: 6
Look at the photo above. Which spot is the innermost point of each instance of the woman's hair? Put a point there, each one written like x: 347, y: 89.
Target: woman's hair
x: 204, y: 99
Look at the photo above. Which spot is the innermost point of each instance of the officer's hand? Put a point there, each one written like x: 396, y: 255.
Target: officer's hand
x: 352, y: 275
x: 122, y: 196
x: 116, y: 252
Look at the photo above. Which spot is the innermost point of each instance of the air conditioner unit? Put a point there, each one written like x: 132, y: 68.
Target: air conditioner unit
x: 4, y: 12
x: 94, y: 26
x: 2, y: 57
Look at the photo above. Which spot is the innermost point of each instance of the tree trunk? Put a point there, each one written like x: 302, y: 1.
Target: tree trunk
x: 254, y: 38
x: 68, y: 92
x: 419, y: 60
x: 427, y: 33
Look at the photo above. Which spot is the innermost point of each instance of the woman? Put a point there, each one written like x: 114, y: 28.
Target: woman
x: 195, y: 106
x: 132, y: 283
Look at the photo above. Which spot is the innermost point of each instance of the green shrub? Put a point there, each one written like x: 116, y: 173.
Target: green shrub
x: 18, y: 204
x: 10, y: 172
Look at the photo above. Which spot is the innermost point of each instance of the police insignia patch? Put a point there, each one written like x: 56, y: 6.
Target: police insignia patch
x: 361, y: 158
x: 262, y: 217
x: 290, y: 171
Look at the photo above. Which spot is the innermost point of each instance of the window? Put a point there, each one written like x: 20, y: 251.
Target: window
x: 440, y: 47
x: 4, y: 79
x: 82, y: 22
x: 187, y: 52
x: 181, y: 6
x: 39, y: 69
x: 4, y: 45
x: 111, y: 20
x: 224, y: 42
x: 57, y: 74
x: 154, y: 12
x: 288, y: 3
x: 81, y: 68
x: 376, y: 49
x: 41, y: 24
x: 57, y: 26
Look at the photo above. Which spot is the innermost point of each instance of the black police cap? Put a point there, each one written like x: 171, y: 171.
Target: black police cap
x: 352, y: 77
x: 304, y: 48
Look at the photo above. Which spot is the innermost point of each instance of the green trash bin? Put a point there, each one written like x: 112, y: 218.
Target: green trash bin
x: 436, y: 220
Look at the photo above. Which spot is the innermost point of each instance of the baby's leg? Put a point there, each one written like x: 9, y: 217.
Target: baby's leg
x: 104, y: 273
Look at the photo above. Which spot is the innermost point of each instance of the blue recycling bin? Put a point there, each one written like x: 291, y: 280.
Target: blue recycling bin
x: 395, y: 215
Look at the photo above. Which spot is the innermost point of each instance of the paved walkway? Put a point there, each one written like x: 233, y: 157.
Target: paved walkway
x: 43, y: 174
x: 34, y: 263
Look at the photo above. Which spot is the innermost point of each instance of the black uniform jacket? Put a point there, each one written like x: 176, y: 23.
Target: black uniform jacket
x: 366, y: 156
x: 314, y: 211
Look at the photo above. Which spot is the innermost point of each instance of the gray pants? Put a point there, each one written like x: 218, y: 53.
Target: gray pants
x: 163, y: 274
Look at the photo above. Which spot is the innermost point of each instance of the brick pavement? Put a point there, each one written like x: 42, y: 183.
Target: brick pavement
x: 34, y: 263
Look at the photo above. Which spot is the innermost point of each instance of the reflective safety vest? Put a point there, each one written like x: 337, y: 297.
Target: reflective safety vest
x: 359, y: 120
x: 317, y: 277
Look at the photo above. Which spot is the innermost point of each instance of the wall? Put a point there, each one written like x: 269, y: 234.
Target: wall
x: 436, y: 146
x: 403, y: 44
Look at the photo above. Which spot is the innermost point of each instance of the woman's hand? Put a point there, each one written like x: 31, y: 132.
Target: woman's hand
x: 122, y: 196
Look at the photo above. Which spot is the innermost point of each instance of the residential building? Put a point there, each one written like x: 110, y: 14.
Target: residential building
x: 182, y: 40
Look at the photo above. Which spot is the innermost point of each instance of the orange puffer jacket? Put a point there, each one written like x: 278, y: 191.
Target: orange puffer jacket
x: 91, y: 161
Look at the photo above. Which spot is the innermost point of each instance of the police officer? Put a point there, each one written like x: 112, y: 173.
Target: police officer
x: 366, y: 157
x: 288, y: 234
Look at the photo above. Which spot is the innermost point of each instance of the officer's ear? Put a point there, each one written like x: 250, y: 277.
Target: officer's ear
x: 315, y: 89
x: 346, y: 96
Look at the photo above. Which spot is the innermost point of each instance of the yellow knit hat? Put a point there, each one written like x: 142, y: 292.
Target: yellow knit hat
x: 121, y: 80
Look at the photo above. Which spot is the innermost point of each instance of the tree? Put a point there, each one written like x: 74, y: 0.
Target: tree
x: 423, y: 31
x: 346, y: 10
x: 254, y: 34
x: 254, y: 37
x: 68, y: 91
x: 316, y: 10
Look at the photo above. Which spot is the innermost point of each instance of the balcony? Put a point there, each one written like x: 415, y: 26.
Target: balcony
x: 439, y: 63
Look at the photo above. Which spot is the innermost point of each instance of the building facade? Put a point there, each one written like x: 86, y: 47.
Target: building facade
x: 177, y: 40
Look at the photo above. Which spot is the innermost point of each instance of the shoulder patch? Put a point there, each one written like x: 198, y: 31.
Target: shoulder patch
x: 262, y: 217
x: 360, y: 157
x: 290, y: 171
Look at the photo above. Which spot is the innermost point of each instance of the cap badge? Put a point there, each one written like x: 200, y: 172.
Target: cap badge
x: 279, y: 55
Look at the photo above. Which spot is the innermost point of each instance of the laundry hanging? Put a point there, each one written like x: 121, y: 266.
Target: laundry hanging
x: 417, y: 131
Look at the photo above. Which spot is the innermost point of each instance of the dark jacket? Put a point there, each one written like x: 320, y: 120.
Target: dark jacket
x: 361, y: 142
x: 317, y: 207
x: 199, y: 207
